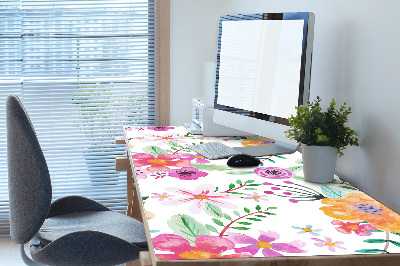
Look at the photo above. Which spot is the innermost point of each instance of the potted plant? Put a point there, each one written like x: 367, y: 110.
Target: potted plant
x: 323, y: 135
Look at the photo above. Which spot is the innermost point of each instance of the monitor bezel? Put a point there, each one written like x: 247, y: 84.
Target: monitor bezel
x: 305, y: 69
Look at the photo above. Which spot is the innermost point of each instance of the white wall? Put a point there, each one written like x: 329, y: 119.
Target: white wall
x: 355, y: 60
x: 194, y: 41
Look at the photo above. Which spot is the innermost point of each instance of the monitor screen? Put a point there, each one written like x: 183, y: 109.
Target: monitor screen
x: 256, y: 59
x: 263, y: 71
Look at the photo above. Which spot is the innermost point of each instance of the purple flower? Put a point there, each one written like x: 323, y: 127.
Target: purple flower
x: 160, y: 128
x: 273, y: 172
x: 187, y: 173
x: 265, y: 244
x: 162, y: 196
x: 329, y: 243
x: 256, y: 197
x: 201, y: 159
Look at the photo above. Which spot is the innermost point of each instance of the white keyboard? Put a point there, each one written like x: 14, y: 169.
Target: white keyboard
x: 214, y: 150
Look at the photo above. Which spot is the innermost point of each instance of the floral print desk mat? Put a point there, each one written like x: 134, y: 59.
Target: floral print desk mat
x: 198, y: 208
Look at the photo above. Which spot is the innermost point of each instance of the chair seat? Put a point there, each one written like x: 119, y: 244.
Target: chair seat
x: 108, y: 222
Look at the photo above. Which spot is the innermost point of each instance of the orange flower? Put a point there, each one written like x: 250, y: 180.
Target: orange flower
x: 257, y: 141
x: 360, y: 207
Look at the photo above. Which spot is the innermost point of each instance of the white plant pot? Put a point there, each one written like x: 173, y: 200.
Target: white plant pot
x: 319, y: 163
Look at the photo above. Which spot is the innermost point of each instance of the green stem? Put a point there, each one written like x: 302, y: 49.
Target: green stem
x: 232, y: 189
x: 249, y: 214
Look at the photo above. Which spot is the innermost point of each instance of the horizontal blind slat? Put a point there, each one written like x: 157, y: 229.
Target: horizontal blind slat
x: 83, y: 69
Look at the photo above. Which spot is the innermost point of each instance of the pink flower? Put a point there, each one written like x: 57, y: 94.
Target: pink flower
x: 160, y: 128
x: 273, y: 172
x: 201, y: 195
x: 162, y: 196
x: 161, y: 139
x: 329, y: 243
x: 201, y: 159
x: 264, y: 243
x: 133, y: 128
x: 256, y: 197
x: 358, y: 228
x: 187, y: 173
x: 141, y: 173
x: 205, y: 247
x: 160, y: 163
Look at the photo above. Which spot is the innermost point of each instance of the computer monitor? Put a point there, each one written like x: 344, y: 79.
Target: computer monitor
x: 263, y: 73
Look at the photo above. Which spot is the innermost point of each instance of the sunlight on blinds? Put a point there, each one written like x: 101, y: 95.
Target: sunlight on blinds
x: 83, y: 69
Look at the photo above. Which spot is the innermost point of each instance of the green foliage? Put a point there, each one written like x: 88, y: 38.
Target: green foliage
x: 187, y: 227
x: 213, y: 210
x: 312, y: 126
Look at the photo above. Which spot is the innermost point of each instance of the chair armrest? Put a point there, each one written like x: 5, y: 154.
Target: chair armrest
x: 72, y: 204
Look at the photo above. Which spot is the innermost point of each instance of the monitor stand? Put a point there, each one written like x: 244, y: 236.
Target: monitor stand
x: 275, y: 148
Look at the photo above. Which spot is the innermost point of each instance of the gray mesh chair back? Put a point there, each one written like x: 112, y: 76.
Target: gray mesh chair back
x: 28, y: 176
x: 73, y: 230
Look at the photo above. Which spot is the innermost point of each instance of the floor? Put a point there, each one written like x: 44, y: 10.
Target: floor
x: 9, y: 253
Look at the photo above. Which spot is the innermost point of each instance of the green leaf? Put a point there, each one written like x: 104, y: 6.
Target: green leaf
x: 395, y: 243
x: 236, y: 213
x: 187, y: 227
x: 231, y: 186
x: 254, y: 219
x: 272, y: 208
x: 254, y: 185
x: 272, y: 161
x: 280, y: 156
x: 392, y: 233
x: 240, y: 172
x: 369, y: 250
x: 246, y: 210
x: 258, y: 207
x: 174, y: 144
x: 240, y: 228
x: 244, y: 223
x: 226, y: 216
x: 249, y: 181
x: 154, y: 150
x: 239, y: 182
x: 210, y: 167
x: 211, y: 228
x: 249, y: 188
x: 352, y: 188
x: 218, y: 222
x: 331, y: 192
x: 299, y: 178
x: 262, y: 216
x: 213, y: 210
x: 295, y: 168
x: 374, y: 240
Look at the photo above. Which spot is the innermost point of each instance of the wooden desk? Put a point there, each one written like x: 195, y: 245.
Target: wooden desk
x: 202, y: 212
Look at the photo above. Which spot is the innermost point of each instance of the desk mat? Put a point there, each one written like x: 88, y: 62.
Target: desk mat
x: 202, y: 209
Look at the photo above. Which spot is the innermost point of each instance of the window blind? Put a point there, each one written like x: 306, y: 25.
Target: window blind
x: 83, y: 69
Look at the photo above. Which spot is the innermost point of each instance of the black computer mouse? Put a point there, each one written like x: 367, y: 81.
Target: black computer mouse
x: 242, y: 160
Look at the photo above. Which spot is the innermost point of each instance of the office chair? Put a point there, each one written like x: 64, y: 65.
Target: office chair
x: 70, y: 231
